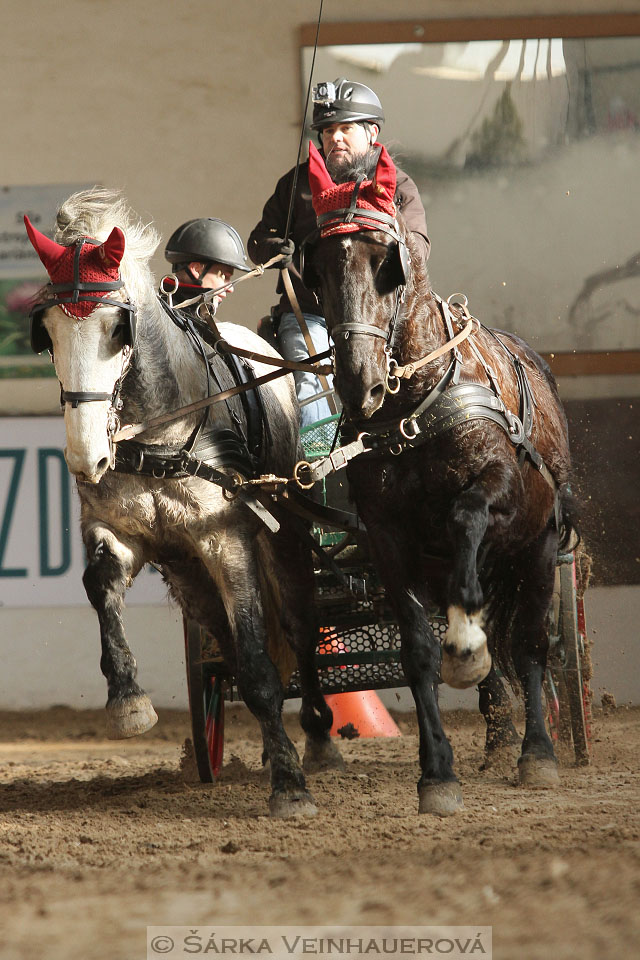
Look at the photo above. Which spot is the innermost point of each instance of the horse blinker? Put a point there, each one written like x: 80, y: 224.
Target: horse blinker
x: 38, y: 336
x: 401, y: 266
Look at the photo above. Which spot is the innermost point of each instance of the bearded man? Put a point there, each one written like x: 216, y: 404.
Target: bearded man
x: 348, y: 117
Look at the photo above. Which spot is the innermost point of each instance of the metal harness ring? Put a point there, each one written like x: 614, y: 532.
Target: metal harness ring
x: 300, y: 466
x: 388, y: 387
x: 231, y: 494
x: 403, y: 429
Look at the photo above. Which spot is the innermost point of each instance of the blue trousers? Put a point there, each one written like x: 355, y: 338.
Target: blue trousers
x: 293, y: 347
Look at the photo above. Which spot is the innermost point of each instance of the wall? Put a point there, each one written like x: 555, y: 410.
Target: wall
x: 193, y: 109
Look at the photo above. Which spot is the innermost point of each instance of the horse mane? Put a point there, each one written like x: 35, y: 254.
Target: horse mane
x: 94, y: 213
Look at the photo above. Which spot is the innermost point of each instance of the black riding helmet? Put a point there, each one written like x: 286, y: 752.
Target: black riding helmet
x: 207, y: 240
x: 343, y: 101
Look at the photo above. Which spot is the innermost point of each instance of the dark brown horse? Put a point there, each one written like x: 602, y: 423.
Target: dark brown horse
x: 462, y: 475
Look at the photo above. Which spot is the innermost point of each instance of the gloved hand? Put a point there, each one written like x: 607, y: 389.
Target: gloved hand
x: 286, y: 247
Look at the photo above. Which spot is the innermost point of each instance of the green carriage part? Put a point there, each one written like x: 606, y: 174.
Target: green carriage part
x: 318, y: 440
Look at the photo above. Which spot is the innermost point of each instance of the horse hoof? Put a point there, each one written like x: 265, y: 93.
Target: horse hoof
x: 130, y: 718
x: 465, y: 671
x: 440, y: 799
x: 322, y: 755
x: 537, y: 773
x: 287, y: 805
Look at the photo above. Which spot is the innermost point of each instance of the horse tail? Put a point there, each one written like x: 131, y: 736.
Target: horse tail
x: 569, y: 519
x: 502, y: 583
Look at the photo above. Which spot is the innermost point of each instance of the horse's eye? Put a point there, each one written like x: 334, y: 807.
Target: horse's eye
x: 117, y: 332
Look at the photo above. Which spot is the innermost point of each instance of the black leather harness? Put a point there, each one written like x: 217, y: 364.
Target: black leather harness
x: 208, y: 449
x: 447, y: 405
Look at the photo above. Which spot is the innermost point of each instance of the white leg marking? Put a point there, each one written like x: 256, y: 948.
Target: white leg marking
x: 465, y: 631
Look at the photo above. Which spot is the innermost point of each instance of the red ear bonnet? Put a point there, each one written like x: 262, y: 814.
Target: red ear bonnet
x: 98, y: 264
x: 319, y: 177
x: 376, y: 194
x: 384, y: 182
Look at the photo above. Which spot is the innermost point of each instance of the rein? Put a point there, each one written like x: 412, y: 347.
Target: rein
x: 131, y: 430
x: 209, y: 295
x: 397, y: 372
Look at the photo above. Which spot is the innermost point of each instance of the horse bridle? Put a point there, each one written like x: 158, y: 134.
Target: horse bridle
x: 384, y: 223
x: 81, y: 291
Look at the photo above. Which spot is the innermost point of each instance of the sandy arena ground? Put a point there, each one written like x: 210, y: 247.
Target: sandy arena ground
x: 100, y: 839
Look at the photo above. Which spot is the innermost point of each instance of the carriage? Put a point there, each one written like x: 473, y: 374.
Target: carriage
x: 464, y: 531
x: 359, y: 646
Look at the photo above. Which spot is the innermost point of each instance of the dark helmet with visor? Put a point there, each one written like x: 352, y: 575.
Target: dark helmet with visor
x: 344, y: 101
x: 207, y: 240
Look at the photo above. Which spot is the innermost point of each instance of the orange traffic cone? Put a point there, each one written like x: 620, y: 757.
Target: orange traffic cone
x: 361, y: 714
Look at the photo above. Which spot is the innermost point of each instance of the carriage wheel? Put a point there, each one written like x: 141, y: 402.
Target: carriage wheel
x: 578, y: 697
x: 206, y: 705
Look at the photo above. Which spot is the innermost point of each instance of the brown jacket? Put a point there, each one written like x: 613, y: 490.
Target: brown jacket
x: 263, y: 240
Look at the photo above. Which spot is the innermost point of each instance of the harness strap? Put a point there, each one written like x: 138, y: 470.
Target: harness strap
x: 357, y: 586
x: 74, y: 397
x: 356, y: 327
x: 182, y: 464
x: 224, y: 347
x: 302, y: 323
x: 197, y: 468
x: 219, y: 447
x: 460, y: 404
x: 85, y: 285
x: 321, y: 513
x: 354, y: 199
x: 409, y: 369
x: 134, y: 429
x: 306, y: 474
x: 337, y: 217
x: 256, y: 423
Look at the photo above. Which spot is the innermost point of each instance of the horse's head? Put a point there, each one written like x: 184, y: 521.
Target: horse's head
x: 88, y: 325
x: 359, y: 264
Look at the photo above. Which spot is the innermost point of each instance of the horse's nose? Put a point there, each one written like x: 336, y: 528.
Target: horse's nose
x: 86, y: 468
x: 373, y: 399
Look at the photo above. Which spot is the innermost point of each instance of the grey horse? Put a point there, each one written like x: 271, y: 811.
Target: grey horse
x: 119, y: 357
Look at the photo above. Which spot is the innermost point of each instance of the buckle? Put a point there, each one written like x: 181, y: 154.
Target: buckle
x: 338, y: 459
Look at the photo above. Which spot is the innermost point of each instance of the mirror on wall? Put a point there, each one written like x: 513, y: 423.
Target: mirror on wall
x: 526, y: 154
